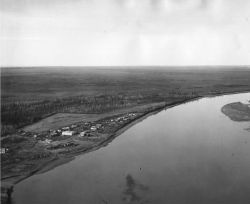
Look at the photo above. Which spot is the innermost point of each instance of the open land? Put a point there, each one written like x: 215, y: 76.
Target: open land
x: 50, y: 115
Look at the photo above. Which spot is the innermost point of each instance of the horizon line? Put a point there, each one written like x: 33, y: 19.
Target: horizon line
x: 124, y: 66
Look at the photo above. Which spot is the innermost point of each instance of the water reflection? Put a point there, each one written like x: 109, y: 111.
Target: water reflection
x: 133, y: 189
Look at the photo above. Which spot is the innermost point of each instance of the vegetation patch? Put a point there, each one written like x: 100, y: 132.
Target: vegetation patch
x: 237, y: 111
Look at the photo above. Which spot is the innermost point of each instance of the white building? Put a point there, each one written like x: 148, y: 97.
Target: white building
x: 82, y: 134
x: 93, y: 128
x: 68, y: 133
x: 65, y: 128
x: 3, y: 150
x: 86, y: 133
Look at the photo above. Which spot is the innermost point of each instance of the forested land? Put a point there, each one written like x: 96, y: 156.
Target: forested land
x: 30, y: 94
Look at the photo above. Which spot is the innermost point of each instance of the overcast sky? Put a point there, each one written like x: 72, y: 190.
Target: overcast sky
x: 125, y: 32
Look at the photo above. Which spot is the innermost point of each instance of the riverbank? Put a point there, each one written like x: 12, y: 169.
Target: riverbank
x: 58, y: 158
x: 64, y: 157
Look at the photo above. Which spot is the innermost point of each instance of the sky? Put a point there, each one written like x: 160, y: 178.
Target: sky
x: 124, y: 32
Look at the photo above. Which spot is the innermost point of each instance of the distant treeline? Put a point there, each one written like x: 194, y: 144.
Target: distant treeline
x: 18, y: 114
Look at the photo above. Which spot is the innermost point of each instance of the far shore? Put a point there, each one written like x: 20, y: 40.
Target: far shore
x: 48, y: 164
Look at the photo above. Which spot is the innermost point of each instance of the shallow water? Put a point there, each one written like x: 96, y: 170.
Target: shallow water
x: 191, y: 153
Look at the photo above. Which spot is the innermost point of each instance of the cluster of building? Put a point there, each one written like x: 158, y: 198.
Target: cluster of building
x: 85, y: 129
x: 74, y: 130
x: 122, y: 119
x: 91, y: 128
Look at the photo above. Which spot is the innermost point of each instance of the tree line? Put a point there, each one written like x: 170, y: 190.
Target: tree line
x: 18, y: 114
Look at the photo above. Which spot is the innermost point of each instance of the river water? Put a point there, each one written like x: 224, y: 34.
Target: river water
x: 190, y: 154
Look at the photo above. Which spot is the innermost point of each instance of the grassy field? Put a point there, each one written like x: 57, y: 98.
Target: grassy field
x: 59, y: 120
x: 31, y: 94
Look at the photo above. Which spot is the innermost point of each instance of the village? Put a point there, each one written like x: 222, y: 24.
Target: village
x: 76, y: 134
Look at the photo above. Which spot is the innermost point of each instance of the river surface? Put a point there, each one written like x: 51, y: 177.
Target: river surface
x: 188, y: 154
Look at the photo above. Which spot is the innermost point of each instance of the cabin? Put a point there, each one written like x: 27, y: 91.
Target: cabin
x: 68, y: 133
x: 73, y: 126
x: 82, y: 134
x: 54, y: 133
x: 47, y: 141
x: 93, y: 128
x: 98, y: 125
x: 3, y: 150
x: 85, y: 134
x: 131, y: 114
x: 65, y: 128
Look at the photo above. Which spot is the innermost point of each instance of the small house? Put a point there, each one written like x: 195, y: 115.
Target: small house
x: 82, y: 134
x: 131, y: 114
x: 68, y: 133
x: 98, y: 125
x: 93, y: 128
x: 65, y: 128
x: 85, y: 134
x: 3, y: 150
x: 47, y: 141
x: 54, y: 133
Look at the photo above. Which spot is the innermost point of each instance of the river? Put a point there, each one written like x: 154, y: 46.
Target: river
x: 191, y: 153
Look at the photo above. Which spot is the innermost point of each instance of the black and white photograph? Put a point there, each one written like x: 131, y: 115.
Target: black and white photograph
x: 125, y: 101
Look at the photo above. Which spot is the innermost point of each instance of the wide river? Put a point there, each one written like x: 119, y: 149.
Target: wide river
x: 191, y: 154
